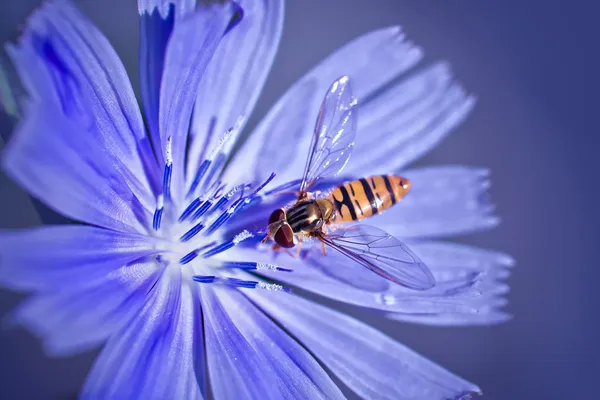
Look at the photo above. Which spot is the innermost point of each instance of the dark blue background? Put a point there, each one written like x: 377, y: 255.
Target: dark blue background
x: 533, y: 67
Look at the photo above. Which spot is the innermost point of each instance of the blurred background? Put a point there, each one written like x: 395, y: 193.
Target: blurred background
x: 533, y: 66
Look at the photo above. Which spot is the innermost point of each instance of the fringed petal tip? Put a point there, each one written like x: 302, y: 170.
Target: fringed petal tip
x: 164, y: 7
x: 444, y: 201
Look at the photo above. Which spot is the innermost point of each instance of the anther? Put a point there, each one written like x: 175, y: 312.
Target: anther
x: 157, y: 218
x: 202, y: 210
x: 228, y: 244
x: 189, y: 209
x: 188, y: 257
x: 240, y: 283
x: 194, y: 253
x: 191, y: 233
x: 168, y: 169
x: 199, y: 175
x: 249, y: 265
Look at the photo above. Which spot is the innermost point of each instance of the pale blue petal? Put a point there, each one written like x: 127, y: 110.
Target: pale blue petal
x: 81, y: 128
x: 368, y: 362
x: 249, y: 357
x: 84, y: 314
x: 452, y: 262
x: 163, y: 7
x: 443, y: 201
x: 483, y: 318
x: 235, y: 77
x: 157, y: 18
x: 407, y: 120
x: 59, y: 257
x: 192, y: 44
x: 469, y: 281
x: 159, y: 354
x: 371, y: 61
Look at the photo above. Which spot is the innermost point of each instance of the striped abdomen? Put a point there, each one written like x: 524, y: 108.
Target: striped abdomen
x: 368, y: 196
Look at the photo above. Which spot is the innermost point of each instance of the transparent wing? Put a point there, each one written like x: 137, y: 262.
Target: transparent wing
x: 333, y: 139
x: 380, y: 253
x: 339, y: 267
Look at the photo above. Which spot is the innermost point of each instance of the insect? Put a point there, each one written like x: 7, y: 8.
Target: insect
x: 364, y: 256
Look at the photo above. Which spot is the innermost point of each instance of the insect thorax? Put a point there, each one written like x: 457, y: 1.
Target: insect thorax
x: 305, y: 216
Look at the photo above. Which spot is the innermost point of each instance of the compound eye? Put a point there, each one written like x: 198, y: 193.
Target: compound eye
x: 276, y: 216
x: 284, y: 236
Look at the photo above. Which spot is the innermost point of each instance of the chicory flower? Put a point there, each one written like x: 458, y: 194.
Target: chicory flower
x: 166, y: 268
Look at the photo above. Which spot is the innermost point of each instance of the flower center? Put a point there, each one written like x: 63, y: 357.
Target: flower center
x: 193, y: 234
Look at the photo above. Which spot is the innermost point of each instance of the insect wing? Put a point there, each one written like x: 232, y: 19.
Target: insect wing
x: 381, y: 253
x: 338, y: 266
x: 333, y: 138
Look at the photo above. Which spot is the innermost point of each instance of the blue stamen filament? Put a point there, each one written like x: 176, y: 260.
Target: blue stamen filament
x: 157, y: 218
x: 192, y: 232
x: 239, y: 283
x: 199, y: 175
x: 202, y: 210
x: 189, y: 209
x: 249, y: 265
x: 239, y: 204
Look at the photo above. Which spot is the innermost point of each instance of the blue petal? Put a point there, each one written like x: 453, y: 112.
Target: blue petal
x: 163, y: 7
x: 82, y: 129
x: 452, y: 262
x: 235, y: 76
x: 249, y: 357
x: 157, y: 355
x: 372, y: 61
x: 83, y: 314
x: 58, y: 257
x: 407, y: 120
x: 157, y: 18
x: 443, y: 201
x: 192, y: 44
x: 469, y: 281
x: 371, y: 364
x: 155, y: 31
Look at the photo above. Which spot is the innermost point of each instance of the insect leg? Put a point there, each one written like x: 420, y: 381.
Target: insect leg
x: 299, y: 247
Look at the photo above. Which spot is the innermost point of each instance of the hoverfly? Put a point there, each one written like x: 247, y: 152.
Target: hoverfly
x: 369, y: 249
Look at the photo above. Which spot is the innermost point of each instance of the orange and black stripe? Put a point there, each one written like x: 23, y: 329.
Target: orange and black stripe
x: 365, y: 197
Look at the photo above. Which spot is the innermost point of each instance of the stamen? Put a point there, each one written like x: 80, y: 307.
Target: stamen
x: 194, y: 253
x: 219, y: 190
x: 219, y: 155
x: 204, y: 278
x: 156, y: 220
x: 168, y: 169
x: 221, y: 220
x: 284, y: 187
x: 191, y: 233
x: 240, y: 204
x: 240, y: 237
x: 189, y: 257
x: 248, y: 265
x: 271, y: 267
x: 215, y: 168
x: 216, y: 160
x: 202, y: 210
x: 240, y: 283
x: 224, y: 199
x: 265, y: 183
x: 199, y: 175
x: 272, y: 287
x: 189, y: 209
